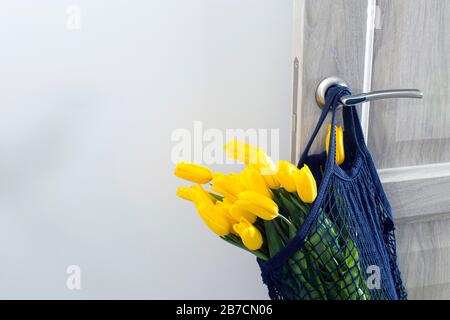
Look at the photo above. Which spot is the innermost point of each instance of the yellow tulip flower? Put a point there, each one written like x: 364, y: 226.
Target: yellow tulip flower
x: 285, y: 173
x: 184, y: 193
x: 227, y: 202
x: 217, y: 174
x: 340, y: 153
x: 193, y: 172
x: 259, y: 205
x: 237, y: 213
x: 212, y: 215
x: 223, y: 204
x: 226, y: 212
x: 214, y: 219
x: 306, y: 184
x: 199, y: 196
x: 269, y: 174
x: 250, y: 235
x: 228, y: 186
x: 248, y: 154
x: 223, y: 192
x: 255, y: 182
x: 255, y: 158
x: 271, y: 180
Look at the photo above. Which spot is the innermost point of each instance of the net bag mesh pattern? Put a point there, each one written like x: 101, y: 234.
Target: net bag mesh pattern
x: 348, y: 235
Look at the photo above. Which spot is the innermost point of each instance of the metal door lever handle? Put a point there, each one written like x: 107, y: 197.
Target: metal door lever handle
x: 378, y: 95
x: 351, y: 100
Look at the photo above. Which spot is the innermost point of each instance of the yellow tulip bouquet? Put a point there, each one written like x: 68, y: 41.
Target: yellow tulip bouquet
x: 261, y: 209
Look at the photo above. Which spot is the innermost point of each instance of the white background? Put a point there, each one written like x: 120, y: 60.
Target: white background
x: 86, y: 118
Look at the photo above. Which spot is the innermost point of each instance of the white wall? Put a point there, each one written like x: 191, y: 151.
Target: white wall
x: 85, y: 124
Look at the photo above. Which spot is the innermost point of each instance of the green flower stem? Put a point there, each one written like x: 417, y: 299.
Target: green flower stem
x: 286, y: 220
x: 281, y: 232
x: 274, y: 241
x: 332, y: 257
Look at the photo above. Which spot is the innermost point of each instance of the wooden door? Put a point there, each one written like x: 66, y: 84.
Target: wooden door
x: 382, y: 44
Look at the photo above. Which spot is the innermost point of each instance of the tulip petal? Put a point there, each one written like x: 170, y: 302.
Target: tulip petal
x: 199, y: 196
x: 248, y: 154
x: 184, y: 193
x: 261, y: 200
x: 306, y: 185
x: 285, y: 174
x: 237, y: 213
x: 214, y: 219
x: 251, y: 237
x: 255, y: 182
x: 340, y: 151
x: 228, y: 185
x: 193, y: 172
x: 256, y: 209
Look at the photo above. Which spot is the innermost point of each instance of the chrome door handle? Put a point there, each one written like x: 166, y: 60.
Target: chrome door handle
x: 351, y: 100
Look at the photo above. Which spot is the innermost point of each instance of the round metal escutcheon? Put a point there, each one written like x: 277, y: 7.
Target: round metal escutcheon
x: 326, y: 84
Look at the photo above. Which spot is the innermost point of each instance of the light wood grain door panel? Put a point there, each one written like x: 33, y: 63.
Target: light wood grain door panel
x: 424, y: 255
x: 410, y: 139
x: 324, y: 45
x: 411, y: 49
x: 405, y: 45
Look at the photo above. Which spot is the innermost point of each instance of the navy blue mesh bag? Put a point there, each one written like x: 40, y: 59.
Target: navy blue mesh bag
x: 347, y: 238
